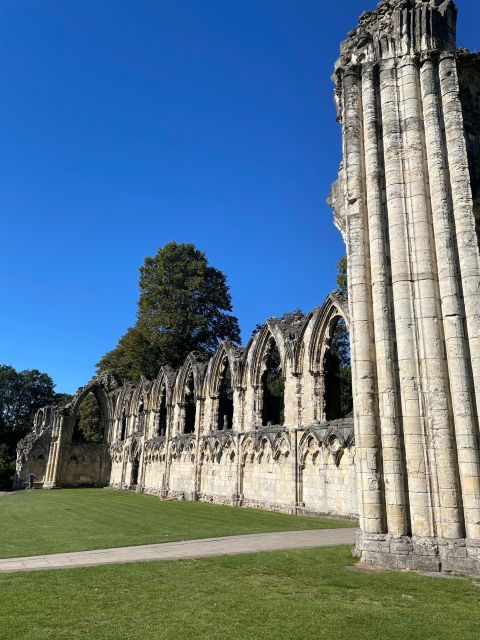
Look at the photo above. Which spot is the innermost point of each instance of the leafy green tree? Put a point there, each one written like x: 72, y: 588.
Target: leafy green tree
x: 22, y: 393
x: 184, y: 305
x: 87, y: 427
x: 60, y: 399
x: 342, y: 281
x: 7, y: 467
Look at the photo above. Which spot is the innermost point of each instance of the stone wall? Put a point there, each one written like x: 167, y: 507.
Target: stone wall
x: 304, y: 465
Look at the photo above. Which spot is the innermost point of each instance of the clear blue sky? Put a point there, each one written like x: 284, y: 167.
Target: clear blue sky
x: 129, y: 123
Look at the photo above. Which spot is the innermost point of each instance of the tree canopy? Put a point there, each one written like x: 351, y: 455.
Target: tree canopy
x: 22, y: 393
x: 87, y: 426
x: 184, y: 305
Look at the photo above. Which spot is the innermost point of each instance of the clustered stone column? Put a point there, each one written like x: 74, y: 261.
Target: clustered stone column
x: 403, y: 202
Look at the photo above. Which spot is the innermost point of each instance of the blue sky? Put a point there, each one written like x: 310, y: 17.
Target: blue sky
x: 127, y: 124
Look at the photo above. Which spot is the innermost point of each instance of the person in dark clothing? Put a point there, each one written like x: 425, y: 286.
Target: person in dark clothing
x: 31, y: 481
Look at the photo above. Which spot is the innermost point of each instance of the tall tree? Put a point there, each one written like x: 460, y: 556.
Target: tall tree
x: 184, y: 305
x: 22, y: 393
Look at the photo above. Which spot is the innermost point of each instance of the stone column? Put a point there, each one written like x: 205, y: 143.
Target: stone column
x: 402, y: 311
x: 412, y: 204
x: 432, y: 369
x: 389, y: 404
x: 368, y: 459
x: 462, y: 392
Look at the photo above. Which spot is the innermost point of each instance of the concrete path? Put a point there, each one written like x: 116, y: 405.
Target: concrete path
x: 231, y: 545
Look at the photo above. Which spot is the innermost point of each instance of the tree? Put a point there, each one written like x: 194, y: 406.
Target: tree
x: 184, y: 305
x: 22, y: 393
x: 87, y: 426
x: 342, y: 280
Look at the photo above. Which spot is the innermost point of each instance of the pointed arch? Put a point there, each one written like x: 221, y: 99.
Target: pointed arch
x: 321, y: 325
x: 189, y: 390
x: 161, y: 399
x: 225, y: 352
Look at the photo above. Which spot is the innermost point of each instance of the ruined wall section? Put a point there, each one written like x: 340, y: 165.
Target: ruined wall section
x: 304, y: 464
x: 403, y: 203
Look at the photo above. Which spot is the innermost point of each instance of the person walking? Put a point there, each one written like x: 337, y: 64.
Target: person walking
x: 31, y: 481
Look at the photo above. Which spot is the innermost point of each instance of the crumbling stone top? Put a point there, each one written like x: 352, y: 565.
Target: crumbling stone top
x: 400, y: 27
x: 290, y: 325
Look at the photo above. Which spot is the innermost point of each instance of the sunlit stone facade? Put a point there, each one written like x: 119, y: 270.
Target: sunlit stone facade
x: 178, y: 437
x: 405, y: 202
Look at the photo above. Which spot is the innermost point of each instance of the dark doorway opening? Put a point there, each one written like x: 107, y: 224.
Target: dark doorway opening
x: 190, y: 405
x: 123, y: 426
x: 162, y: 419
x: 135, y: 469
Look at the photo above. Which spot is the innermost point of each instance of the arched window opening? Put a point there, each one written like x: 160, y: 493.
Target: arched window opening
x: 225, y: 398
x: 190, y: 405
x: 162, y: 420
x: 273, y: 387
x: 88, y: 421
x: 338, y: 374
x: 123, y: 426
x: 141, y: 415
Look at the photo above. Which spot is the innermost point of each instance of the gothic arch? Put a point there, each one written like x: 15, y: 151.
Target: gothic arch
x: 194, y: 366
x: 258, y: 348
x: 321, y: 324
x: 226, y: 351
x: 189, y: 390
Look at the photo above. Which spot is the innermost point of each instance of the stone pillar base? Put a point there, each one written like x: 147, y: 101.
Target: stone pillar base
x: 51, y: 485
x: 419, y: 554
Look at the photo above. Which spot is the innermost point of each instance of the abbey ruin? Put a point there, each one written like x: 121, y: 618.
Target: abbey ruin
x: 408, y: 464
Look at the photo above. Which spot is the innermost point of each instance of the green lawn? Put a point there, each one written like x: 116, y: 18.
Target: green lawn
x: 307, y: 594
x: 37, y: 522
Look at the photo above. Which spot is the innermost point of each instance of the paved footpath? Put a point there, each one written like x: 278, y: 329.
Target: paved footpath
x: 231, y: 545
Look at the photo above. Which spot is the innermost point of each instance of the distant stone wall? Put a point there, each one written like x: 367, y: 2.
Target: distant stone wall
x: 294, y: 471
x: 203, y: 432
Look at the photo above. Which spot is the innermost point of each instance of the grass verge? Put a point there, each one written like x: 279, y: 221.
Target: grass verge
x: 283, y: 595
x: 38, y: 522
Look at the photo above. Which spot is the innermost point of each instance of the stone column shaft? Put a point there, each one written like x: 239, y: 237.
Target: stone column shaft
x: 421, y: 516
x: 465, y: 233
x: 462, y: 396
x: 368, y: 462
x: 390, y: 419
x: 433, y: 371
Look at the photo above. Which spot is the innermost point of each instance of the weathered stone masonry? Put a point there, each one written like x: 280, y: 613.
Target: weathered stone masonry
x: 168, y: 437
x: 407, y: 202
x: 403, y: 202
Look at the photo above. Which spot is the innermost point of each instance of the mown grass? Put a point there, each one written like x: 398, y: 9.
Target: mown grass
x: 37, y: 522
x: 283, y: 595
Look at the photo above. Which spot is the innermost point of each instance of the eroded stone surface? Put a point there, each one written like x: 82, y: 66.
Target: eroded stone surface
x: 305, y: 465
x: 407, y: 204
x: 408, y: 102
